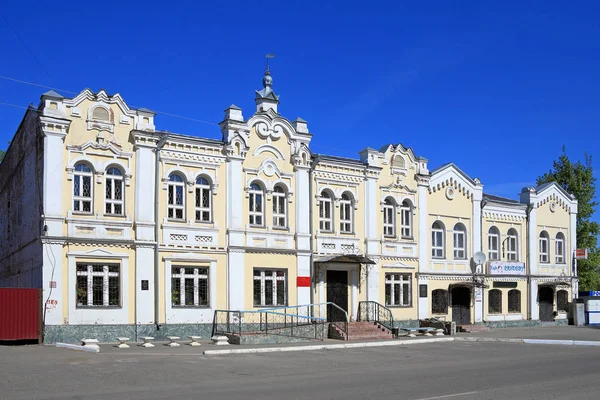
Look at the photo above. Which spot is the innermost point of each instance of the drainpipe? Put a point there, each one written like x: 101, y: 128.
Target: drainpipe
x: 159, y: 146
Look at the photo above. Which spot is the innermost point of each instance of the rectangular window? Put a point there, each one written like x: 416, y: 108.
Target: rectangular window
x: 389, y: 228
x: 175, y: 197
x: 325, y: 224
x: 511, y: 248
x: 544, y: 256
x: 270, y: 287
x: 203, y: 204
x: 114, y: 195
x: 398, y: 290
x: 560, y: 251
x: 279, y: 212
x: 98, y: 285
x: 189, y: 286
x: 406, y: 224
x: 437, y: 244
x: 345, y: 216
x: 493, y: 247
x: 459, y: 245
x: 82, y: 193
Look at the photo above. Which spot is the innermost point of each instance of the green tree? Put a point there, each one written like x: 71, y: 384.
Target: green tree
x: 578, y: 179
x: 2, y: 153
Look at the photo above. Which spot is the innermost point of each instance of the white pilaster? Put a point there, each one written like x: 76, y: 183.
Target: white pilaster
x: 478, y: 304
x: 303, y: 268
x: 144, y: 271
x: 532, y: 241
x: 235, y: 276
x: 54, y: 172
x: 235, y: 190
x: 423, y: 227
x: 145, y: 181
x: 373, y: 283
x: 573, y: 239
x: 423, y: 303
x: 354, y: 278
x: 371, y: 210
x: 477, y: 197
x: 53, y: 283
x: 535, y: 305
x: 302, y: 201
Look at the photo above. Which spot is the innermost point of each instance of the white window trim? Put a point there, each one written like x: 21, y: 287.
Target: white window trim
x: 559, y: 256
x: 404, y: 279
x: 196, y: 276
x: 439, y: 246
x: 389, y: 211
x: 199, y: 209
x: 253, y: 214
x: 544, y: 256
x: 171, y: 198
x: 494, y: 249
x: 280, y: 197
x: 346, y: 215
x: 113, y: 180
x: 456, y: 233
x: 512, y: 247
x: 276, y: 281
x: 105, y: 274
x: 406, y: 221
x: 326, y: 203
x: 81, y: 199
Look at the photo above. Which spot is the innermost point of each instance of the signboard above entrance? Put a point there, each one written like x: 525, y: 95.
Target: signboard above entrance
x: 506, y: 268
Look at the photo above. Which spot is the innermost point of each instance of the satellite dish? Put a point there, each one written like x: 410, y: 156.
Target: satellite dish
x: 479, y: 258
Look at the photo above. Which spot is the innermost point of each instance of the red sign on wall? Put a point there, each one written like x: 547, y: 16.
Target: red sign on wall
x: 303, y: 281
x: 581, y: 254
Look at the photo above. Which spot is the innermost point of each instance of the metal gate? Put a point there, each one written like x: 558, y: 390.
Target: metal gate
x: 461, y: 305
x: 337, y: 293
x: 546, y: 300
x: 21, y: 314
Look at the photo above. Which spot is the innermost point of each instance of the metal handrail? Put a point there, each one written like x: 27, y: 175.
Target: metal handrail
x: 371, y: 311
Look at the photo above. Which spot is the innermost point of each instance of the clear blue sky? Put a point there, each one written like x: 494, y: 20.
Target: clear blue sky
x: 497, y: 89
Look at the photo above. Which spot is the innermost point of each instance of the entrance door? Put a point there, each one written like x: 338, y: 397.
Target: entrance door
x: 546, y: 300
x: 461, y: 305
x: 337, y: 292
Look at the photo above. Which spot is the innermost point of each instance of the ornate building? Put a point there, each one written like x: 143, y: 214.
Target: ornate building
x: 132, y: 231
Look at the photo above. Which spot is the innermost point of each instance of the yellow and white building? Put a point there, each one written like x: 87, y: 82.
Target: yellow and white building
x: 131, y: 231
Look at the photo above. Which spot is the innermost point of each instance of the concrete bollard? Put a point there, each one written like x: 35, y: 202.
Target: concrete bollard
x: 123, y: 342
x: 147, y: 340
x: 90, y: 343
x: 172, y: 341
x: 194, y: 341
x: 220, y: 340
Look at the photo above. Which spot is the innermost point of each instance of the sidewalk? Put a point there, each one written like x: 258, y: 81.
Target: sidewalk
x: 568, y: 332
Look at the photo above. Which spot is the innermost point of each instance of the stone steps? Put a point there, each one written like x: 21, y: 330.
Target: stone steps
x: 360, y: 331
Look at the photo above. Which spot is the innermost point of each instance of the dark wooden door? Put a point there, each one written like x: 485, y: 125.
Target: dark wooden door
x: 461, y: 305
x: 337, y: 292
x: 546, y: 300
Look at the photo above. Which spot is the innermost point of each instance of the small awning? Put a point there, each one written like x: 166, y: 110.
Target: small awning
x: 345, y: 258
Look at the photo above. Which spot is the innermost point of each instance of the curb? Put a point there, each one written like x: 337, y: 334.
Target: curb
x: 326, y: 346
x: 77, y: 347
x: 531, y: 341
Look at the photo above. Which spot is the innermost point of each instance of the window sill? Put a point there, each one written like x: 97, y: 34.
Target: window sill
x: 175, y: 220
x: 281, y: 228
x: 438, y: 258
x: 394, y: 307
x: 190, y: 307
x: 204, y: 222
x: 83, y: 213
x: 115, y: 215
x: 495, y: 313
x: 390, y: 238
x: 99, y: 307
x: 263, y: 306
x: 256, y: 226
x: 408, y: 238
x: 328, y: 232
x: 348, y: 233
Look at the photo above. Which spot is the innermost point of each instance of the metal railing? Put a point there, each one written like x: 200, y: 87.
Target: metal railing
x: 371, y: 311
x: 303, y: 321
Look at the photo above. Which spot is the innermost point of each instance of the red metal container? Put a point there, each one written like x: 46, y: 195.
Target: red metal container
x: 20, y: 314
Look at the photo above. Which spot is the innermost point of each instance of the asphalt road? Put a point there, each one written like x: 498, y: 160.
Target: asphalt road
x: 455, y: 370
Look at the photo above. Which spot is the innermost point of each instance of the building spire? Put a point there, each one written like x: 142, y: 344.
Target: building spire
x: 266, y: 98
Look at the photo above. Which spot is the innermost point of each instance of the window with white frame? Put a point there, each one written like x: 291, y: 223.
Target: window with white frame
x: 270, y: 287
x: 389, y: 218
x: 559, y: 248
x: 346, y: 213
x: 189, y: 286
x: 82, y: 188
x: 98, y: 285
x: 325, y: 212
x: 493, y: 244
x: 512, y: 245
x: 544, y: 247
x: 406, y: 223
x: 397, y: 290
x: 100, y: 114
x: 176, y: 197
x: 459, y: 235
x: 203, y: 200
x: 437, y: 240
x: 114, y: 192
x: 279, y: 207
x: 256, y: 207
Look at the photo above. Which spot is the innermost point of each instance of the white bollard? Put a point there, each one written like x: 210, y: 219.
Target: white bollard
x: 220, y: 340
x: 194, y: 340
x: 172, y: 341
x: 147, y: 340
x: 123, y: 342
x: 90, y: 343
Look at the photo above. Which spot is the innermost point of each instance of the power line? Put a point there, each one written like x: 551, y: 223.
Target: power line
x: 13, y: 105
x: 24, y: 45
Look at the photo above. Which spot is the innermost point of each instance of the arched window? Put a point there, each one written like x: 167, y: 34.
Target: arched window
x: 459, y: 235
x: 176, y: 197
x: 389, y: 218
x: 562, y: 300
x: 514, y: 301
x: 494, y: 244
x: 559, y: 248
x: 346, y: 213
x: 114, y: 202
x: 512, y: 245
x: 437, y: 240
x: 256, y: 209
x: 82, y: 188
x: 495, y: 301
x: 544, y: 247
x: 439, y: 301
x: 398, y: 161
x: 101, y: 114
x: 279, y: 207
x: 203, y: 200
x: 326, y: 212
x: 406, y: 214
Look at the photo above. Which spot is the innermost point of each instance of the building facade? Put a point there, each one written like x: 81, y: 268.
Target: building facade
x: 132, y: 231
